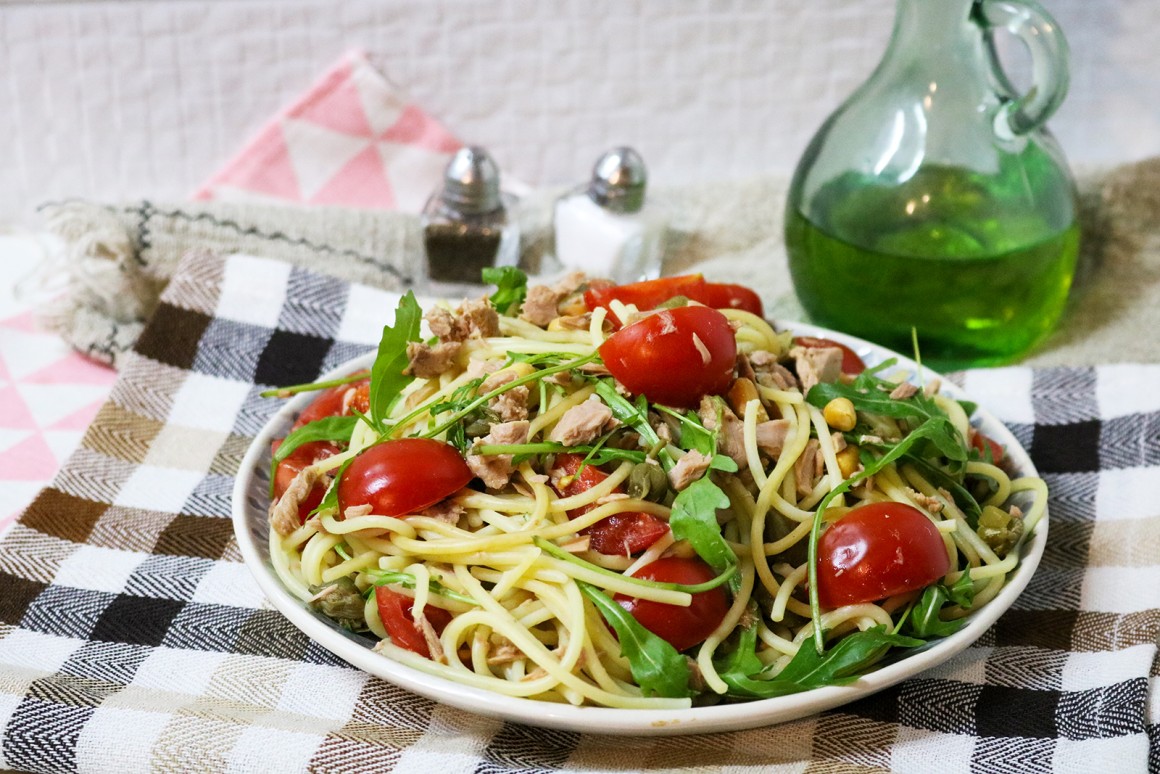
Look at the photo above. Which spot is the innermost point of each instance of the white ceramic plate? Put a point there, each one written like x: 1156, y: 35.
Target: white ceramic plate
x: 250, y: 502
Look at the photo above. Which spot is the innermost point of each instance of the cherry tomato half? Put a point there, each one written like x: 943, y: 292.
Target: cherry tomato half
x: 650, y: 294
x: 621, y: 534
x: 682, y: 627
x: 980, y: 442
x: 876, y: 551
x: 722, y: 295
x: 330, y: 402
x: 288, y: 469
x: 395, y: 612
x: 851, y: 363
x: 674, y: 356
x: 403, y: 476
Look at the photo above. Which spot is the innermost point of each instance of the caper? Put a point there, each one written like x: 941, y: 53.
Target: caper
x: 477, y: 428
x: 648, y: 481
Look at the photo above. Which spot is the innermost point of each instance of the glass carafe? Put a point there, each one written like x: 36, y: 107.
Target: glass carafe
x: 934, y: 199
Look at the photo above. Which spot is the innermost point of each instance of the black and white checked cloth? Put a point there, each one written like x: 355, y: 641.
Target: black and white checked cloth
x: 133, y: 639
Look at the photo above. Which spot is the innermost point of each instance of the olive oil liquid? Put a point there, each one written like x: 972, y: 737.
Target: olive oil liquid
x: 980, y: 283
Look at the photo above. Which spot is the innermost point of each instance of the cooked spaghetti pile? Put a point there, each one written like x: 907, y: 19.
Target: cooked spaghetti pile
x: 626, y: 498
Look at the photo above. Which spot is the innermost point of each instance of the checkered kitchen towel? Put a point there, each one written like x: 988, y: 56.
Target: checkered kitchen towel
x: 133, y: 639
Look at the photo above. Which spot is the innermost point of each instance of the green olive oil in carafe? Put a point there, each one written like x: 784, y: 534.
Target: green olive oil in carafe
x: 945, y: 254
x: 934, y: 202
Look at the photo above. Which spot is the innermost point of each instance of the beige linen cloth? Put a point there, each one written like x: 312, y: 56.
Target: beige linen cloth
x: 118, y: 258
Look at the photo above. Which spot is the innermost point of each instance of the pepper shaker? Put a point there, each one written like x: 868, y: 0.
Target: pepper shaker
x: 607, y: 227
x: 466, y: 226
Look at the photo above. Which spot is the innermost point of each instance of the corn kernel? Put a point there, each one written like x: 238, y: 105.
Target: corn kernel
x: 840, y: 414
x: 848, y: 461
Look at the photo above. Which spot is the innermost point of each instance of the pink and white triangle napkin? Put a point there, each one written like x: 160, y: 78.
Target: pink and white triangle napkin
x: 352, y: 140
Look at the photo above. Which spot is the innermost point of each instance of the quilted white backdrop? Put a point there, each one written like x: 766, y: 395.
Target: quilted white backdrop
x: 145, y: 98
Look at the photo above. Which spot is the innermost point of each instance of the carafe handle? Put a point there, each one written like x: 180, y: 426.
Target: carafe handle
x: 1048, y: 48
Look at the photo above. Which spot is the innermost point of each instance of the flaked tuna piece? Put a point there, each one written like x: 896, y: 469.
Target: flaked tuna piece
x: 570, y: 283
x: 427, y: 361
x: 511, y: 405
x: 448, y: 511
x: 475, y: 318
x: 540, y: 305
x: 690, y: 467
x: 582, y: 423
x: 770, y: 373
x: 482, y: 319
x: 816, y: 365
x: 731, y: 434
x: 284, y: 512
x: 805, y: 470
x: 496, y: 469
x: 771, y: 436
x: 903, y: 391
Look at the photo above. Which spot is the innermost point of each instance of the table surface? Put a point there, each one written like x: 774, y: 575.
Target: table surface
x: 48, y: 393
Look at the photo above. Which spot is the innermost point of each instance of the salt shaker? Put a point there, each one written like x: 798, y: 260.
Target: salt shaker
x: 608, y: 228
x: 466, y: 224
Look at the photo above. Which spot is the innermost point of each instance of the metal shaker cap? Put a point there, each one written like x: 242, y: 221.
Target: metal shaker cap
x: 618, y: 180
x: 471, y: 182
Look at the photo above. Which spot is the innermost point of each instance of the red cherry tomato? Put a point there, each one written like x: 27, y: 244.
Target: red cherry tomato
x: 682, y: 627
x: 395, y: 612
x: 620, y: 534
x: 877, y: 551
x: 721, y: 295
x: 652, y: 293
x: 288, y: 469
x: 851, y: 363
x: 329, y: 402
x: 403, y: 476
x: 646, y: 295
x: 674, y: 356
x: 980, y: 442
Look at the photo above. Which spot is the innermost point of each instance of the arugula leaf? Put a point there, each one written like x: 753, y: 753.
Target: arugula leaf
x: 656, y: 665
x: 633, y: 415
x: 325, y: 429
x: 694, y: 518
x: 841, y: 665
x: 596, y: 455
x: 387, y: 378
x: 924, y: 620
x: 407, y: 580
x: 742, y: 660
x: 511, y: 287
x: 940, y: 478
x: 330, y: 499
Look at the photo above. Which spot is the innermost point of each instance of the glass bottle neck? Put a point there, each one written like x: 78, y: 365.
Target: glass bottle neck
x: 936, y: 32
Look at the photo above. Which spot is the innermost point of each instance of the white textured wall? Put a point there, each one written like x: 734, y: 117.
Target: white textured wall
x: 145, y: 98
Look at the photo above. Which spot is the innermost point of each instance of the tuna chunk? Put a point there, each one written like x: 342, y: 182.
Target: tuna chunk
x: 771, y: 436
x: 816, y: 365
x: 428, y: 362
x: 582, y: 424
x: 903, y: 391
x: 805, y: 470
x: 540, y: 305
x: 731, y: 435
x: 770, y: 373
x: 496, y: 469
x: 475, y: 318
x: 284, y: 512
x: 690, y: 467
